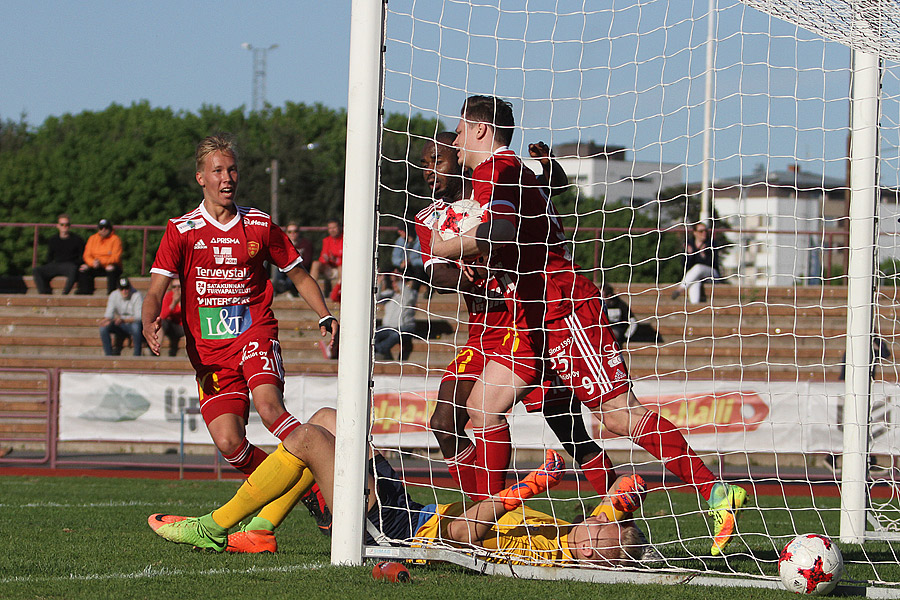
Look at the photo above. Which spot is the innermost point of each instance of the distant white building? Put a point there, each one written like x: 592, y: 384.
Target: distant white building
x: 782, y: 234
x: 602, y: 172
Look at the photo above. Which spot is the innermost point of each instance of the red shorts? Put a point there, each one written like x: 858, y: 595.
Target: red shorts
x: 226, y: 390
x: 585, y: 355
x: 505, y: 347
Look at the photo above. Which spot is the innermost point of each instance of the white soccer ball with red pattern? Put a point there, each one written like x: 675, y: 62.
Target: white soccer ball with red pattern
x: 810, y: 564
x: 459, y: 217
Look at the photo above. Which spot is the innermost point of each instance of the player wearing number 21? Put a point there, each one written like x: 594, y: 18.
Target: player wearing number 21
x: 558, y: 310
x: 219, y: 251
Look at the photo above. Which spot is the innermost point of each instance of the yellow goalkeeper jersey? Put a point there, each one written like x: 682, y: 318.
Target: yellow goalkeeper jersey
x: 522, y: 536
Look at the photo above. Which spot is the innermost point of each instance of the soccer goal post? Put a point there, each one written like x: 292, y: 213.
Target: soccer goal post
x: 764, y: 130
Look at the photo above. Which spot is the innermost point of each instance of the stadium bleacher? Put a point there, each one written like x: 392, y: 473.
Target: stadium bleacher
x: 775, y: 333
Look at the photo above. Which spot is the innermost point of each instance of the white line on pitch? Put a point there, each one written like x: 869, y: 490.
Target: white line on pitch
x: 150, y: 572
x: 110, y: 503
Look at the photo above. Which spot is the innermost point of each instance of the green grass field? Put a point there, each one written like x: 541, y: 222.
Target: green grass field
x: 81, y: 537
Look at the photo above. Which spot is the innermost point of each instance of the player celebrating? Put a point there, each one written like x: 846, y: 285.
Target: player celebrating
x: 521, y: 535
x: 491, y: 334
x: 219, y: 251
x: 558, y: 309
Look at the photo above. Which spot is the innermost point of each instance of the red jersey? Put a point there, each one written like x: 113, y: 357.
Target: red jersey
x: 487, y: 311
x: 226, y: 291
x: 535, y: 271
x: 332, y: 251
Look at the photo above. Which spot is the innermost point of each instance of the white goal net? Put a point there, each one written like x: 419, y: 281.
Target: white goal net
x: 675, y: 124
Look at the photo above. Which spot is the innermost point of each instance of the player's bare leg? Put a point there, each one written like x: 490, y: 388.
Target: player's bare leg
x: 448, y: 424
x: 624, y: 415
x: 269, y: 403
x: 227, y: 432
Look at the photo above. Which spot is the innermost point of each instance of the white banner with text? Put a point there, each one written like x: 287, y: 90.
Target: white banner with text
x: 716, y: 416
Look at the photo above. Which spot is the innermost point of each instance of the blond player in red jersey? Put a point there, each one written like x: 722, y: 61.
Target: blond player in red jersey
x: 491, y: 335
x: 219, y: 253
x: 522, y: 241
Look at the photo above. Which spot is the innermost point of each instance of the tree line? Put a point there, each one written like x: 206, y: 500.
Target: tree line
x: 134, y: 165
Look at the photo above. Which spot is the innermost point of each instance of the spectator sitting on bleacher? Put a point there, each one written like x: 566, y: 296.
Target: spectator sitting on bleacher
x: 701, y: 263
x: 102, y: 256
x: 621, y: 320
x: 170, y: 316
x: 399, y: 319
x: 122, y: 318
x: 64, y: 252
x: 330, y: 260
x: 406, y: 257
x: 281, y: 282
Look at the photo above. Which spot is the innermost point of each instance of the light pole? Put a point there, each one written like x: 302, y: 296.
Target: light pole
x: 259, y: 74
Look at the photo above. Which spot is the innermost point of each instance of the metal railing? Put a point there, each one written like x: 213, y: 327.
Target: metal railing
x: 12, y: 415
x: 833, y: 242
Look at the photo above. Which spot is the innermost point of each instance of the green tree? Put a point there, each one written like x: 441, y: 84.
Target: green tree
x: 610, y: 245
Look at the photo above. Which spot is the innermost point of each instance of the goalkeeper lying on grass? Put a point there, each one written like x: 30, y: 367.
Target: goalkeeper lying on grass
x: 501, y: 523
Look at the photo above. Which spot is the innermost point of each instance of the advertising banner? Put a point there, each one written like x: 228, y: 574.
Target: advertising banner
x: 716, y: 416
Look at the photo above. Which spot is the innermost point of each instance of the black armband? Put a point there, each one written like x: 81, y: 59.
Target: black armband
x: 326, y: 322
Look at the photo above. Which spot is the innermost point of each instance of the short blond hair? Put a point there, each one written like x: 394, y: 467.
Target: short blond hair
x: 220, y: 142
x: 632, y: 545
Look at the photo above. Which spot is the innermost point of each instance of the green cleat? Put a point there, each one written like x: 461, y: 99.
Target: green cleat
x: 192, y: 532
x: 724, y: 502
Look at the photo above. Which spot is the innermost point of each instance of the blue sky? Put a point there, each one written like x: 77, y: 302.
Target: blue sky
x: 626, y: 72
x: 61, y: 57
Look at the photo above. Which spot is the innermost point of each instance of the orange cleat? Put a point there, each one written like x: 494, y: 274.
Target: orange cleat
x: 254, y: 541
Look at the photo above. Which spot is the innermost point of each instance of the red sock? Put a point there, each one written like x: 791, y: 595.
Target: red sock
x: 284, y: 425
x: 600, y: 472
x: 462, y: 469
x: 246, y: 458
x: 493, y: 449
x: 659, y: 437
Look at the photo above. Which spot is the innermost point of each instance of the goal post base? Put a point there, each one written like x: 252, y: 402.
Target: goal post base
x: 477, y: 562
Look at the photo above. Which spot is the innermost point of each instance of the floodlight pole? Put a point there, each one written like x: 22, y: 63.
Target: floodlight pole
x: 260, y: 56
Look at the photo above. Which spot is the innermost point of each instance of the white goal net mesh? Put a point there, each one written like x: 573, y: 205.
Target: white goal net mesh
x: 745, y: 362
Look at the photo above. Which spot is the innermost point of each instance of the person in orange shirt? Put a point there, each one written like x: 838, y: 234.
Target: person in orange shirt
x: 102, y: 256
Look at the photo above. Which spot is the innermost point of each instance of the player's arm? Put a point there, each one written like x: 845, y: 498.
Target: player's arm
x: 150, y: 310
x: 552, y: 176
x: 474, y: 524
x: 477, y: 241
x: 309, y: 290
x: 447, y: 278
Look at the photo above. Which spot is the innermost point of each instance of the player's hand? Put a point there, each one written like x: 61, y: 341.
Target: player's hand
x: 333, y: 327
x: 474, y: 273
x: 628, y: 493
x: 334, y: 342
x: 151, y: 335
x: 539, y: 151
